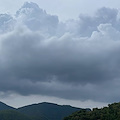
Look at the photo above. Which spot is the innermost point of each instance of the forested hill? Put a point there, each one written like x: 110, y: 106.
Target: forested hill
x: 112, y: 112
x: 13, y: 115
x: 41, y: 111
x: 48, y: 111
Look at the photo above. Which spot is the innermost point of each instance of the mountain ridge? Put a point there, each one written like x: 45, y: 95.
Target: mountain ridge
x: 49, y: 103
x: 37, y: 111
x: 48, y: 111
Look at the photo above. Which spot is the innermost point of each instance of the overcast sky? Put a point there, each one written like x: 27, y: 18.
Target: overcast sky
x: 65, y: 52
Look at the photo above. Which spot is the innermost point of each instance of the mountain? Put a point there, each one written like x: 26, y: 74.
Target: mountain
x: 47, y: 111
x: 112, y: 112
x: 50, y: 111
x: 3, y: 106
x: 41, y: 111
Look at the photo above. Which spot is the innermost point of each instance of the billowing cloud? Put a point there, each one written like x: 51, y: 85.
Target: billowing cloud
x: 6, y: 23
x: 77, y: 59
x: 37, y: 19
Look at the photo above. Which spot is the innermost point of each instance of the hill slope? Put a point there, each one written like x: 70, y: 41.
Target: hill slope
x: 112, y: 112
x: 47, y: 111
x: 12, y: 115
x: 3, y: 106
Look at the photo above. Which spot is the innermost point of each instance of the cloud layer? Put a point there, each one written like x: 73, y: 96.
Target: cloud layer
x: 77, y: 59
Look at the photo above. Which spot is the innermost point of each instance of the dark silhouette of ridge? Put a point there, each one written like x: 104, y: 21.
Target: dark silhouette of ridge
x: 48, y: 111
x: 40, y: 111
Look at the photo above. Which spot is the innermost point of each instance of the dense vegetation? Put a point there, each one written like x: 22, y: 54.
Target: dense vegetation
x: 112, y: 112
x: 12, y: 115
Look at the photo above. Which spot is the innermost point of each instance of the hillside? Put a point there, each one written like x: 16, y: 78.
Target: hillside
x: 112, y: 112
x: 47, y: 111
x: 3, y: 106
x: 13, y: 115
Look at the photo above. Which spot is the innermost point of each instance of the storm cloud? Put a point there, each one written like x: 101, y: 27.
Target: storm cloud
x: 76, y: 59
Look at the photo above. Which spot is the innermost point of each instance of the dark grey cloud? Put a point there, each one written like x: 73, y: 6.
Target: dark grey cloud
x: 78, y: 59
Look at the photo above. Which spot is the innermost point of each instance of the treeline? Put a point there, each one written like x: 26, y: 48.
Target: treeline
x: 112, y: 112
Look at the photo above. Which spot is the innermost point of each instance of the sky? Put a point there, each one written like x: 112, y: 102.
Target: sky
x: 65, y: 9
x: 65, y: 52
